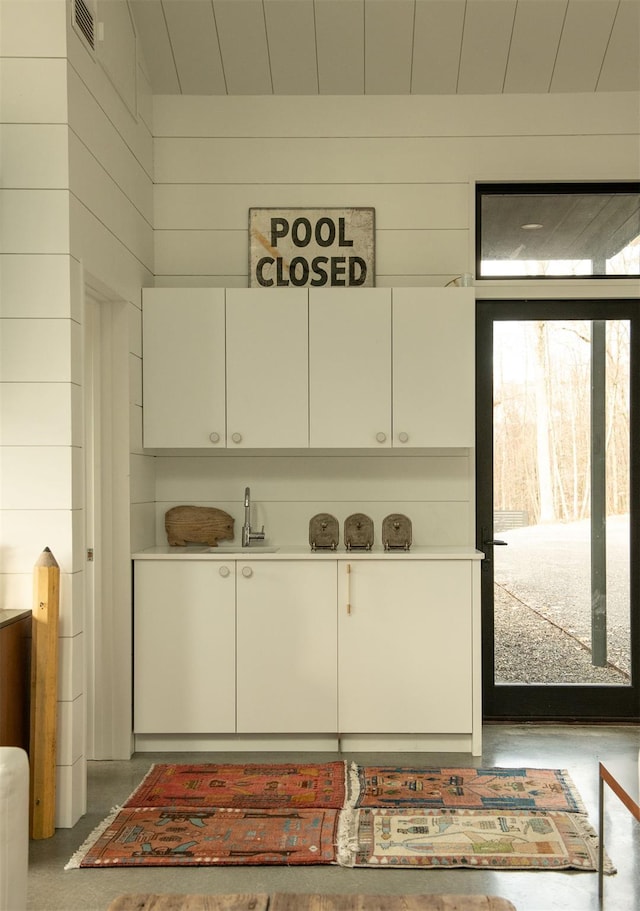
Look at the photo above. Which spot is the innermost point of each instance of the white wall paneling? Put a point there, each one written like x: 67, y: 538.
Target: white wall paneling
x: 33, y: 89
x: 347, y: 160
x: 394, y: 116
x: 36, y: 350
x: 70, y: 747
x: 103, y: 198
x: 33, y: 29
x: 104, y: 255
x: 35, y: 285
x: 50, y: 401
x: 34, y: 155
x: 133, y: 133
x: 34, y: 221
x: 381, y: 159
x: 41, y: 477
x: 76, y: 201
x: 129, y: 167
x: 400, y: 206
x: 118, y: 57
x: 434, y: 490
x: 413, y: 159
x: 71, y: 790
x: 56, y: 529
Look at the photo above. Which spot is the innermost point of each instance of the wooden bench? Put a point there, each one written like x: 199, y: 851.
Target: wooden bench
x: 282, y: 901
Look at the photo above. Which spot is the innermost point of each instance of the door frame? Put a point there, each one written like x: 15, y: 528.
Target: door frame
x: 530, y: 702
x: 107, y: 582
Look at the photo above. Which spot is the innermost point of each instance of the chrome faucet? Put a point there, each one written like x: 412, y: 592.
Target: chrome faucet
x: 247, y: 535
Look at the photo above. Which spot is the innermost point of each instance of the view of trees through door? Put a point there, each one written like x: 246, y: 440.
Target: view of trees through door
x: 573, y: 589
x: 557, y: 507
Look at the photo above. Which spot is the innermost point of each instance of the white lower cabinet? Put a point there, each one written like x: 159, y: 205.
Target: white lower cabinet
x: 184, y: 647
x: 383, y: 646
x: 287, y: 662
x: 405, y: 646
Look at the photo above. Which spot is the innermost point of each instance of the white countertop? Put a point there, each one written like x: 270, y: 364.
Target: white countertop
x: 304, y: 552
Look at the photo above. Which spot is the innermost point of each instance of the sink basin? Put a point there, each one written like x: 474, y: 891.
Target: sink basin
x: 245, y: 551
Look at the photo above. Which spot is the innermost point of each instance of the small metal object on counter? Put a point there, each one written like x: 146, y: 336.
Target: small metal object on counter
x: 358, y: 532
x: 396, y: 532
x: 324, y: 532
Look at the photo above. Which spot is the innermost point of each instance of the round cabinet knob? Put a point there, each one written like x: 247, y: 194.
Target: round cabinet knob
x: 381, y: 437
x: 247, y: 572
x: 214, y: 437
x: 224, y: 571
x: 236, y: 437
x: 403, y: 437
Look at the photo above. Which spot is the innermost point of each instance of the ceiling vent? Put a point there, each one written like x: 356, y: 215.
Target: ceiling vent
x: 84, y: 20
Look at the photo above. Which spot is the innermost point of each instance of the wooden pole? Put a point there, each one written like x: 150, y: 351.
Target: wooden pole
x: 44, y: 696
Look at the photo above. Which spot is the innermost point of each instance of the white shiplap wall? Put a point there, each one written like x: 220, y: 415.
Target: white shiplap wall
x: 434, y: 490
x: 414, y: 158
x: 75, y: 207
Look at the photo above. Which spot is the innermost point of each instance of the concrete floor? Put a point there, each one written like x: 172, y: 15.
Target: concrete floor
x: 576, y: 748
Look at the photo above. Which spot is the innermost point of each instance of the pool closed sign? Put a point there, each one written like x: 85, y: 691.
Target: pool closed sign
x: 318, y: 248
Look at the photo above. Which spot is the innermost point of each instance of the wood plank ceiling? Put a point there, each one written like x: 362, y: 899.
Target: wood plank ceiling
x: 389, y: 47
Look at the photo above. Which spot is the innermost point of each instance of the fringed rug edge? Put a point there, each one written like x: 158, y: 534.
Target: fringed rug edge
x: 589, y: 833
x: 575, y: 793
x: 353, y: 787
x: 347, y: 837
x: 76, y: 859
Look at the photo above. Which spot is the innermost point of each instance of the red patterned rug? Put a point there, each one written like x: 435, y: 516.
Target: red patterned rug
x: 518, y: 840
x: 160, y: 837
x: 470, y: 789
x: 337, y: 813
x: 311, y: 785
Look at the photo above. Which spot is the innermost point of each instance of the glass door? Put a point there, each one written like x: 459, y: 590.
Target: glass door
x: 557, y: 489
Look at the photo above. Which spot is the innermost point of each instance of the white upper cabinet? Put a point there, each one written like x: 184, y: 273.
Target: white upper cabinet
x: 183, y: 367
x: 433, y: 367
x: 350, y: 368
x: 267, y: 368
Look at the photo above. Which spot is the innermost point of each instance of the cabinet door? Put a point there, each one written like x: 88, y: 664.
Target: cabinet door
x: 405, y: 647
x: 267, y: 368
x: 184, y: 367
x: 350, y: 367
x: 184, y: 647
x: 433, y: 367
x: 287, y: 662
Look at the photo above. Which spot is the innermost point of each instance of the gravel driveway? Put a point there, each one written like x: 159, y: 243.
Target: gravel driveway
x: 543, y: 604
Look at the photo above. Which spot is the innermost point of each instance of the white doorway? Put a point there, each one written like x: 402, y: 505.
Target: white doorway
x: 107, y: 588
